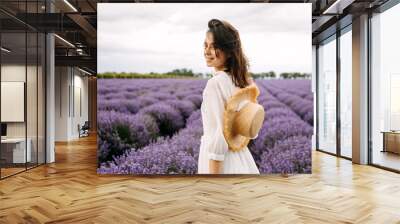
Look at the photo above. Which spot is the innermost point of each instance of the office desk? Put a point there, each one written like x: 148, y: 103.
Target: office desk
x: 391, y: 141
x: 13, y: 150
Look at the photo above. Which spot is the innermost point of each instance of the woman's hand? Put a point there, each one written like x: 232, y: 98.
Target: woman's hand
x: 215, y: 166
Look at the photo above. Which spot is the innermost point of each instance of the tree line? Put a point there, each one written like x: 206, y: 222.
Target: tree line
x: 188, y: 73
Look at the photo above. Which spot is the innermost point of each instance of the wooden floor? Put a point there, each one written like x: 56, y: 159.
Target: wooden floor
x: 10, y: 171
x: 387, y: 159
x: 70, y: 191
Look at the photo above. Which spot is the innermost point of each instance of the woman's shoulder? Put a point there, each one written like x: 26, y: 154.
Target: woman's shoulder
x: 213, y: 83
x: 217, y: 78
x: 220, y: 77
x: 221, y: 84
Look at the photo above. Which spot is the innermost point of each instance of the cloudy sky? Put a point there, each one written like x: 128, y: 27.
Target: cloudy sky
x: 151, y: 37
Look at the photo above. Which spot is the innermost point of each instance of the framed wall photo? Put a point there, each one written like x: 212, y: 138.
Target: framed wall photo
x: 192, y: 89
x: 12, y: 101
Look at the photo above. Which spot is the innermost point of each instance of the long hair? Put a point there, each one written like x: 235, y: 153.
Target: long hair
x: 227, y: 39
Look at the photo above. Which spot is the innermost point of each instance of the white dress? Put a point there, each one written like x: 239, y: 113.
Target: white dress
x: 213, y: 144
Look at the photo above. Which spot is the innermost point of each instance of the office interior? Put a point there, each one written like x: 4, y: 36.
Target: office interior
x: 48, y: 82
x: 48, y: 88
x: 49, y: 54
x: 356, y: 80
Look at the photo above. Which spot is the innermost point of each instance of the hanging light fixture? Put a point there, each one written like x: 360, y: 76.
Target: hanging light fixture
x: 70, y: 5
x: 64, y: 40
x: 5, y: 50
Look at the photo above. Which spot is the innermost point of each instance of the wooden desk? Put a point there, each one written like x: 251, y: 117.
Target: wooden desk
x: 391, y: 141
x: 13, y: 150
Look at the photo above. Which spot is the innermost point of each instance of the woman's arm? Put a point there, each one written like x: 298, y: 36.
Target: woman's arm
x: 214, y: 110
x: 215, y: 166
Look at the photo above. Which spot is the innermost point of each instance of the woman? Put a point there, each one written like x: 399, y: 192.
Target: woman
x: 223, y: 51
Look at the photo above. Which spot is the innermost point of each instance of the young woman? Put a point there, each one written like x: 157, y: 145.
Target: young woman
x: 223, y: 52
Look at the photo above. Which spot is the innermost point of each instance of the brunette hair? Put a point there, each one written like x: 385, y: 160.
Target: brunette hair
x: 227, y: 39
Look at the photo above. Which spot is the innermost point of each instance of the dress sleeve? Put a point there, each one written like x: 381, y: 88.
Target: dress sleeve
x: 215, y: 106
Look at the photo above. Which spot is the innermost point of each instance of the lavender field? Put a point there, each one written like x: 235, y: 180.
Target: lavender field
x: 153, y: 126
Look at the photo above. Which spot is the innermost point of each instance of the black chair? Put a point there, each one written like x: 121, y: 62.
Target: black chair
x: 84, y: 130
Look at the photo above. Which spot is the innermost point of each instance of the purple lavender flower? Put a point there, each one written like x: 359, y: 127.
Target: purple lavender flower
x: 142, y: 128
x: 185, y: 107
x: 291, y: 155
x: 169, y: 120
x: 118, y: 132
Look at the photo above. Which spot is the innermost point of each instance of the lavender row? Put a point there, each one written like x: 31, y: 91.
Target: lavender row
x: 170, y: 155
x: 304, y: 108
x: 120, y: 120
x: 298, y: 87
x: 283, y: 145
x: 277, y: 148
x: 131, y: 95
x: 118, y: 131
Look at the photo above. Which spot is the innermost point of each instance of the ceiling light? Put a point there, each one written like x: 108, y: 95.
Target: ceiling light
x: 5, y: 50
x: 79, y: 51
x: 70, y: 5
x: 64, y: 40
x: 86, y: 72
x: 338, y: 6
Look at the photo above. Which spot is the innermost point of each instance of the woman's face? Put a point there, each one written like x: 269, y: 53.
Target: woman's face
x: 214, y: 57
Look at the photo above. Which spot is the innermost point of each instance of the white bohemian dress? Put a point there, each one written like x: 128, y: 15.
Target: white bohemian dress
x: 213, y: 145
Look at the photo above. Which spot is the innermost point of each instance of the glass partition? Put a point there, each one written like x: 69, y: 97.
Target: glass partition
x: 346, y: 92
x: 31, y: 99
x: 32, y: 86
x: 327, y: 95
x: 385, y: 89
x: 22, y: 77
x: 14, y: 153
x: 41, y: 110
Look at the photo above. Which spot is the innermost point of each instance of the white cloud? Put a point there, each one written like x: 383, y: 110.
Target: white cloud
x: 159, y: 37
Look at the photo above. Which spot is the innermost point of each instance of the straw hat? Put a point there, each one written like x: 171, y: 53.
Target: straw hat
x: 243, y: 117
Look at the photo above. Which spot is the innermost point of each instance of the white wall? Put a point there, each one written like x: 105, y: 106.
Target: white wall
x: 16, y: 73
x: 33, y: 126
x: 80, y: 97
x: 62, y: 81
x: 70, y: 83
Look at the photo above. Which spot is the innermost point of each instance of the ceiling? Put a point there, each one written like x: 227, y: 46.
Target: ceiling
x: 75, y: 21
